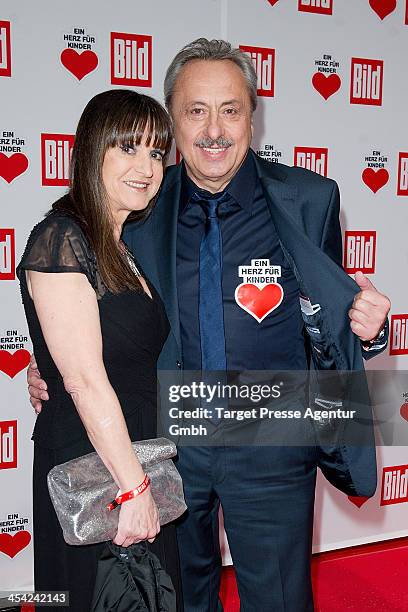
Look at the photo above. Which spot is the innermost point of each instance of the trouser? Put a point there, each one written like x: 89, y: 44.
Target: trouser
x: 267, y: 498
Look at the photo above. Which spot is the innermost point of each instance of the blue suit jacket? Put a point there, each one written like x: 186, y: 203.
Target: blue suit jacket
x: 304, y: 208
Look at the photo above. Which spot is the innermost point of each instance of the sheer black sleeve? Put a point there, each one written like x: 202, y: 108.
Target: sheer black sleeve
x: 57, y: 244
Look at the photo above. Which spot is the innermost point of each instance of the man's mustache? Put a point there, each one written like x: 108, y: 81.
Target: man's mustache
x: 218, y: 142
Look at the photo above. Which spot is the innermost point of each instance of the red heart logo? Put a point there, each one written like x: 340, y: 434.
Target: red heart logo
x: 404, y: 411
x: 273, y: 2
x: 13, y: 166
x: 11, y: 545
x: 383, y: 7
x: 375, y: 179
x: 12, y: 364
x: 258, y: 301
x: 80, y: 64
x: 326, y: 85
x: 357, y: 500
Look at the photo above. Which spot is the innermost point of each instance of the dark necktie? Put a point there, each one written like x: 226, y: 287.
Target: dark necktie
x: 211, y: 310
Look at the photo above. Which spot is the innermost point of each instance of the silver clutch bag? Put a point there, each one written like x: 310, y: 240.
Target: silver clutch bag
x: 81, y: 489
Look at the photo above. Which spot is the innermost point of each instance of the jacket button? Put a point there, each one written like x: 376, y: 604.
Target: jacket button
x: 178, y: 364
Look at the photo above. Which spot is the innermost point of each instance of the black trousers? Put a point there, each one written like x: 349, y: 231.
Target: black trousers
x: 61, y: 567
x: 267, y: 497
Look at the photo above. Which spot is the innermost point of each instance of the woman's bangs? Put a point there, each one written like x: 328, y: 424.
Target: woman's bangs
x: 148, y: 123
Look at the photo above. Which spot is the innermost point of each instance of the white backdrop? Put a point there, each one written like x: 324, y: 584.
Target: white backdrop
x: 333, y: 95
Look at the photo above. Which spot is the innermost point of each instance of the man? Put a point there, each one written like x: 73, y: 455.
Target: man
x: 220, y: 209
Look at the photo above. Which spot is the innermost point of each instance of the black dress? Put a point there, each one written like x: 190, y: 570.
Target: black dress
x: 134, y: 328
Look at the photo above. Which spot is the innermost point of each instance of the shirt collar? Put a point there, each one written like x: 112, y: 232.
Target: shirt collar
x: 241, y: 187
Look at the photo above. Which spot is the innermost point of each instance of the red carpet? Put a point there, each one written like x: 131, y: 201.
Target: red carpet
x: 367, y: 578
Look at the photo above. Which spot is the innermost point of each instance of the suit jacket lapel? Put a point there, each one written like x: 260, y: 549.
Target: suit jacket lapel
x: 165, y: 238
x: 154, y: 244
x: 320, y: 278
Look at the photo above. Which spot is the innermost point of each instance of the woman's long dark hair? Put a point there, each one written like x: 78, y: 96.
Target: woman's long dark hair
x: 118, y: 117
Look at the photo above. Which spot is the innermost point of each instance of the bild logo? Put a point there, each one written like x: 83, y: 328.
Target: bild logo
x: 312, y: 158
x: 8, y: 445
x: 131, y: 59
x: 398, y: 334
x: 360, y: 251
x: 7, y: 254
x: 324, y: 7
x: 402, y: 188
x: 56, y: 152
x: 5, y: 49
x: 394, y: 489
x: 366, y: 81
x: 264, y: 64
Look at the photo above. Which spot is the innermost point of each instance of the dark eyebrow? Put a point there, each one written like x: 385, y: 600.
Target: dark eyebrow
x: 226, y: 103
x: 235, y: 101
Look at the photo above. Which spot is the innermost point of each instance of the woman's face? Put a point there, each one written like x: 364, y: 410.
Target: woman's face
x: 132, y: 177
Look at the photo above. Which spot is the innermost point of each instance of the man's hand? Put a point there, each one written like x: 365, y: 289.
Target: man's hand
x: 369, y: 310
x: 37, y: 387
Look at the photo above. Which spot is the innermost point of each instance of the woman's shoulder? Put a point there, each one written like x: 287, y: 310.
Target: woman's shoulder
x: 58, y: 244
x: 59, y: 222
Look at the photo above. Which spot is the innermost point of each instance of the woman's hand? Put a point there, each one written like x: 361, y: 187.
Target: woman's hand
x: 138, y: 520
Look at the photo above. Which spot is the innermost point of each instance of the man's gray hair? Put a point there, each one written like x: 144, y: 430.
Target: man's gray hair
x: 212, y: 50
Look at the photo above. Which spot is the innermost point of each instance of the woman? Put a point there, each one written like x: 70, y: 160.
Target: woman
x: 97, y: 327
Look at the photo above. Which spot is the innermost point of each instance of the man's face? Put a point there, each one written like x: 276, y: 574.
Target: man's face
x: 212, y: 117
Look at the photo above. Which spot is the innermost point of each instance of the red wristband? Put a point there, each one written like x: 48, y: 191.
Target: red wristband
x: 123, y: 497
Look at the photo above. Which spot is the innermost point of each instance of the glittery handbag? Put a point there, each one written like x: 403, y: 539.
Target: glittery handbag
x: 81, y: 489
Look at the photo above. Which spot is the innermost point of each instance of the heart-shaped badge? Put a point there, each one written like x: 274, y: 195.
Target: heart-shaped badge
x: 383, y: 8
x: 375, y: 179
x: 326, y: 85
x: 259, y: 301
x: 404, y: 411
x: 79, y: 64
x: 11, y: 167
x: 12, y: 363
x: 358, y: 500
x: 11, y: 545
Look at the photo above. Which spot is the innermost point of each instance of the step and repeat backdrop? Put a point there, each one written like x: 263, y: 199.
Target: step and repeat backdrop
x: 333, y: 95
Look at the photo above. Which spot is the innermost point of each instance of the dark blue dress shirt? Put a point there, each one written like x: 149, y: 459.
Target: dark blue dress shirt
x: 277, y: 343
